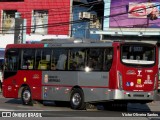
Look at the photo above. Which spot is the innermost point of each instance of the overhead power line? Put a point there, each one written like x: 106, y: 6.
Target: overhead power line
x: 78, y: 21
x: 84, y: 5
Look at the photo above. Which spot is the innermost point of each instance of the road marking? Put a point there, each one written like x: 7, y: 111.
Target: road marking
x: 22, y: 110
x: 6, y: 110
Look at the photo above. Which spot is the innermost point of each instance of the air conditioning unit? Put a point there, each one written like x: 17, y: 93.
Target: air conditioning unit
x: 93, y: 17
x: 85, y: 15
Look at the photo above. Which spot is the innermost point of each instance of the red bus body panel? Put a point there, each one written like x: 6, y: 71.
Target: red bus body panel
x: 58, y: 13
x: 31, y: 78
x: 133, y: 78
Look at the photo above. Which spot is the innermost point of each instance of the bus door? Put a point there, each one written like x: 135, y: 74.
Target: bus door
x: 138, y: 71
x: 9, y: 73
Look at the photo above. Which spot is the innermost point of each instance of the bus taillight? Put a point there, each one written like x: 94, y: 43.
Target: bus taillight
x: 119, y: 78
x: 155, y: 82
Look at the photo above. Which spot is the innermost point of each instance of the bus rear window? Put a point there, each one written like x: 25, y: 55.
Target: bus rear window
x: 138, y: 54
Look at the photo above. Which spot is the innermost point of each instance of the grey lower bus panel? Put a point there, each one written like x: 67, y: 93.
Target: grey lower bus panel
x: 57, y: 85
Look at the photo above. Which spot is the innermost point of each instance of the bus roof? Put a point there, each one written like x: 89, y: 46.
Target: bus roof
x: 72, y: 44
x: 45, y: 45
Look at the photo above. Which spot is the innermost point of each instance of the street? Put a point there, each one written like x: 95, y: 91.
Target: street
x: 52, y: 110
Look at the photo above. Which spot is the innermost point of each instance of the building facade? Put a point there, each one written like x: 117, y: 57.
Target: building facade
x: 87, y: 15
x: 84, y: 19
x: 130, y: 20
x: 44, y: 19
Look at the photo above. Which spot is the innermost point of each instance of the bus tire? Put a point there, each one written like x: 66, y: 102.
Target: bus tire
x: 77, y: 99
x: 26, y: 96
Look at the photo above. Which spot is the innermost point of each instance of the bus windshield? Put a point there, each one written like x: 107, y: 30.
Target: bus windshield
x: 138, y: 54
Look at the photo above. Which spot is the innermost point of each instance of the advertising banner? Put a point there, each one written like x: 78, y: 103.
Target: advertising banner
x: 143, y: 10
x: 134, y: 14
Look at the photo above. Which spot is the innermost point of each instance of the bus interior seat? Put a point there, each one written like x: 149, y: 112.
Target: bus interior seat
x: 43, y: 64
x: 53, y: 66
x: 30, y: 64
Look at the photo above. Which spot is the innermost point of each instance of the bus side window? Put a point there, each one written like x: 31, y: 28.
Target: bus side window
x: 53, y: 62
x: 108, y: 58
x: 76, y: 59
x: 43, y: 59
x: 28, y: 56
x: 61, y: 62
x: 53, y: 66
x: 46, y: 59
x: 38, y: 58
x: 93, y: 63
x: 11, y: 62
x: 95, y: 58
x: 80, y: 62
x: 59, y: 59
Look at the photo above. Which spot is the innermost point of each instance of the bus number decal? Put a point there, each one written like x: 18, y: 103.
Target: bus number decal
x: 148, y: 71
x: 53, y: 79
x: 131, y: 72
x: 148, y: 81
x: 35, y: 76
x: 130, y: 84
x: 139, y: 83
x: 48, y: 78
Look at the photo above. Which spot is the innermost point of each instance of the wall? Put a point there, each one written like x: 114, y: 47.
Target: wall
x: 59, y: 12
x: 58, y: 18
x: 82, y: 28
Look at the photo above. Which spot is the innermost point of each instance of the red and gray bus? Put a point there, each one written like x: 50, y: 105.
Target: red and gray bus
x: 81, y: 73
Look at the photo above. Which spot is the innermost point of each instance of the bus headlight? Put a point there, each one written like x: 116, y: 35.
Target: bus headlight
x: 119, y: 77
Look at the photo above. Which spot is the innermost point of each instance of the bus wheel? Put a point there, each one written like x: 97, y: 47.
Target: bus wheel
x: 77, y: 100
x: 26, y: 96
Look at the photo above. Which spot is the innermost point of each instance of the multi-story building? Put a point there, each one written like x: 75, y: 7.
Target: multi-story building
x: 84, y: 19
x: 44, y: 19
x: 89, y: 14
x: 130, y: 20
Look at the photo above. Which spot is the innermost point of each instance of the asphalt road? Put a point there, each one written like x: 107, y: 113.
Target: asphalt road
x: 64, y: 110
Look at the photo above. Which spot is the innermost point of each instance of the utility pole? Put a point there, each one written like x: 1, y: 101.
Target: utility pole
x: 20, y: 30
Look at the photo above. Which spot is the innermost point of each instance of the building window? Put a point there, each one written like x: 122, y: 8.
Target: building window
x: 95, y: 22
x: 8, y: 21
x: 39, y: 22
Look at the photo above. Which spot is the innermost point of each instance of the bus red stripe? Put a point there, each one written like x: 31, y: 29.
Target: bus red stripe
x: 80, y: 86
